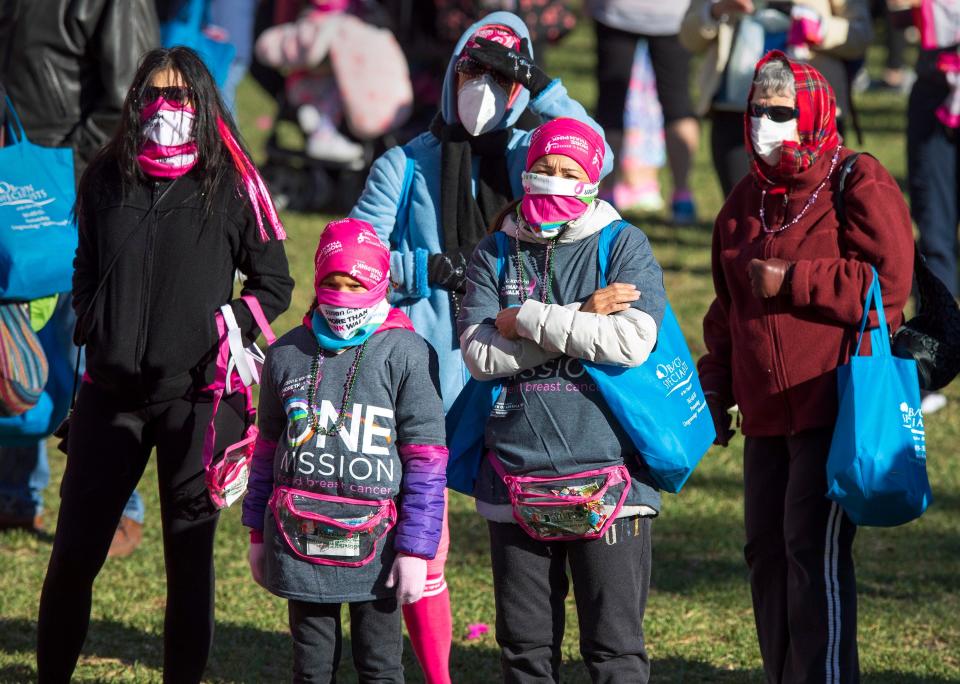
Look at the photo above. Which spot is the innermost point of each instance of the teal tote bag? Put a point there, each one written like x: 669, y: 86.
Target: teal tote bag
x: 877, y: 465
x: 38, y: 236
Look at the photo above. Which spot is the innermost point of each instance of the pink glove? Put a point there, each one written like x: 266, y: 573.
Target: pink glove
x: 256, y: 557
x: 408, y: 575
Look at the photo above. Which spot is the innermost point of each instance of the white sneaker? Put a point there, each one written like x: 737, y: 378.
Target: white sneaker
x: 932, y: 402
x: 333, y: 146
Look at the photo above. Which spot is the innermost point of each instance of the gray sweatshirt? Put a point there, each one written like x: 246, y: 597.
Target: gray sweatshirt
x: 550, y: 419
x: 395, y: 403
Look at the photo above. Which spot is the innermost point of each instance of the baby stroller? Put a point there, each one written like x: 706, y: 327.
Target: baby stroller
x: 346, y: 91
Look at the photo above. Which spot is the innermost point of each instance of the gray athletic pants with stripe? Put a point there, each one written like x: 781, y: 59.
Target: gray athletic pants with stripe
x: 801, y: 569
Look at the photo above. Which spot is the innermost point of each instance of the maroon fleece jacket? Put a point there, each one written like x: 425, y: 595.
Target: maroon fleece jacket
x: 777, y: 358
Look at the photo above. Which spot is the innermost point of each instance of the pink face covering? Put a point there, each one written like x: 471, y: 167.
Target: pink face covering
x: 550, y: 202
x: 351, y: 246
x: 168, y: 149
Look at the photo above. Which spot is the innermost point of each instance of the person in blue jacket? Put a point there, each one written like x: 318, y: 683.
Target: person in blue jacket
x: 432, y: 200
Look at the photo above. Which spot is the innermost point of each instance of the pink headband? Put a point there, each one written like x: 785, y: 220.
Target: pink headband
x: 351, y: 246
x: 497, y: 33
x: 572, y: 139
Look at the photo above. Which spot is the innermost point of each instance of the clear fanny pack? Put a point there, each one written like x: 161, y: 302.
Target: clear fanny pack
x: 237, y: 370
x: 567, y: 507
x: 227, y: 478
x: 331, y: 530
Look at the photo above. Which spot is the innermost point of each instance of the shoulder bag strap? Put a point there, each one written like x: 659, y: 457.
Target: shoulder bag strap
x: 608, y: 236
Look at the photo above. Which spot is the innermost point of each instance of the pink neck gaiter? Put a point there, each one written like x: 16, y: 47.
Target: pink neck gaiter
x: 168, y: 149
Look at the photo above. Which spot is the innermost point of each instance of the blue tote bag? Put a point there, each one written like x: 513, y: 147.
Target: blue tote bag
x: 187, y: 29
x: 659, y: 403
x: 38, y: 237
x: 877, y: 466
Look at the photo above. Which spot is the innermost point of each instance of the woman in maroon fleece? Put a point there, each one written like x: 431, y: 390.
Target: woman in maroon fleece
x: 790, y: 283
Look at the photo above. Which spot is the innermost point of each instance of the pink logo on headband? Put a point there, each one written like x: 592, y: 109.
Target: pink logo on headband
x: 351, y: 246
x: 571, y: 138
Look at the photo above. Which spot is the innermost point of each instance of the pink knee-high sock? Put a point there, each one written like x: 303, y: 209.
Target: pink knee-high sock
x: 431, y: 631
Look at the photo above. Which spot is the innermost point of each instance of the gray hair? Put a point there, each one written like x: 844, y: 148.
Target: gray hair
x: 775, y: 78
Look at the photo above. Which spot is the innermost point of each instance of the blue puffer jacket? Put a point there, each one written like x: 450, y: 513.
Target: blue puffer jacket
x: 402, y: 202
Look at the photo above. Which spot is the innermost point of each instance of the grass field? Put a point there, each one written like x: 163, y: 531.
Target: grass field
x: 699, y: 622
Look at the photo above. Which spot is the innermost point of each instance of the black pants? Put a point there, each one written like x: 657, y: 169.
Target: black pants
x: 728, y: 148
x: 671, y: 66
x: 801, y: 568
x: 110, y: 443
x: 375, y: 636
x: 611, y: 579
x: 933, y: 169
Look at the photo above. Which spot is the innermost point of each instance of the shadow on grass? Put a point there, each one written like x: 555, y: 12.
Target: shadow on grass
x: 240, y: 653
x: 17, y: 673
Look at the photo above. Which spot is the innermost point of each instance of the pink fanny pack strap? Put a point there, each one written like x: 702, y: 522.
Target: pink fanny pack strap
x: 210, y: 438
x: 260, y: 318
x: 496, y: 464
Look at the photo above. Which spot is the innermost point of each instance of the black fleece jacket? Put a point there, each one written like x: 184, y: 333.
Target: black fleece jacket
x: 151, y: 333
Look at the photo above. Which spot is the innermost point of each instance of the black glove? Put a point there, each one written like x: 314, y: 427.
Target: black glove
x: 515, y: 66
x: 721, y: 420
x: 449, y: 269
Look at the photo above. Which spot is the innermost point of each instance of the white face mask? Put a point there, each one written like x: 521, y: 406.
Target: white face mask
x: 168, y: 127
x: 346, y: 321
x: 481, y: 103
x: 768, y: 137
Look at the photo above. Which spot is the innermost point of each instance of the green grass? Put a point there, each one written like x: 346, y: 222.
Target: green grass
x: 699, y: 622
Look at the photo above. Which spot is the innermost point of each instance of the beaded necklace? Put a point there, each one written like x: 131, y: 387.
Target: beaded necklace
x: 348, y: 384
x: 810, y: 200
x: 547, y: 276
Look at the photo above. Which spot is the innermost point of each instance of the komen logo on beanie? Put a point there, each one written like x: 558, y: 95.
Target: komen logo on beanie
x: 570, y: 138
x: 328, y: 250
x: 559, y: 143
x: 363, y: 270
x: 369, y: 237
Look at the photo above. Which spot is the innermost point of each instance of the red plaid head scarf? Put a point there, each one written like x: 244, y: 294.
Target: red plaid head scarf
x: 817, y: 124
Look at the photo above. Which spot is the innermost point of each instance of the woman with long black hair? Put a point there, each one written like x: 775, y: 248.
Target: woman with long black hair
x: 168, y: 211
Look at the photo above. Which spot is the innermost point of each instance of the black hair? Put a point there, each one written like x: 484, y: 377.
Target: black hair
x: 120, y: 152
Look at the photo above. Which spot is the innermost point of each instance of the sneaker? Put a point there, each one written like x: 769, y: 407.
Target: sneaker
x: 931, y: 402
x: 645, y: 199
x: 683, y: 208
x: 126, y: 539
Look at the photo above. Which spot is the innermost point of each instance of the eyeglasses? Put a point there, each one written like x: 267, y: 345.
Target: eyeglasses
x: 777, y: 113
x: 181, y: 95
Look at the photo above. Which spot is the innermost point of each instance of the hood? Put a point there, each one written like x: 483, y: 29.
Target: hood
x: 448, y: 103
x: 817, y: 125
x: 598, y: 216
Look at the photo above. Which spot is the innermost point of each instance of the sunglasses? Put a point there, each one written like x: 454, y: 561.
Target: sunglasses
x: 181, y: 95
x: 471, y: 68
x: 777, y: 113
